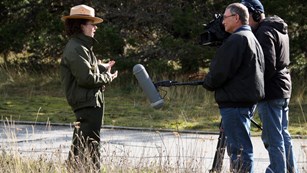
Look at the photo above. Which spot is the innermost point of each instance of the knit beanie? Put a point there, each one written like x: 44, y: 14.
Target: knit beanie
x: 253, y: 5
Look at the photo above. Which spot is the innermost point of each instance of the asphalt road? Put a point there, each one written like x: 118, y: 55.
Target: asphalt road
x: 127, y: 147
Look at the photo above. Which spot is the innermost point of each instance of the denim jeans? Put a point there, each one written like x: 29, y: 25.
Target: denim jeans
x: 236, y: 124
x: 276, y: 137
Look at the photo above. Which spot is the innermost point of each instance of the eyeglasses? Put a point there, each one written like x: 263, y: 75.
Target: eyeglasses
x: 225, y: 17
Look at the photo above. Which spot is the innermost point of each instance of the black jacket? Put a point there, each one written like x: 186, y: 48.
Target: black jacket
x: 272, y: 34
x: 237, y: 71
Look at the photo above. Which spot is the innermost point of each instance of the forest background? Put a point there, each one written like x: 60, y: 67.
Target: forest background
x: 163, y: 35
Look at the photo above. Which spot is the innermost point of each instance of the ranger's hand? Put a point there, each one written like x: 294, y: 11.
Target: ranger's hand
x: 114, y: 75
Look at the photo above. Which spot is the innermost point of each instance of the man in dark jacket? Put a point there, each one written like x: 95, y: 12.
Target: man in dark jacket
x: 237, y: 77
x: 272, y: 34
x: 83, y: 78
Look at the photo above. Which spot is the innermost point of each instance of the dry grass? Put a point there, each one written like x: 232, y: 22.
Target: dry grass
x: 134, y: 152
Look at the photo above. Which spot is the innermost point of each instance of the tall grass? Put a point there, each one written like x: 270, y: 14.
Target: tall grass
x: 170, y: 153
x: 12, y: 159
x: 140, y: 152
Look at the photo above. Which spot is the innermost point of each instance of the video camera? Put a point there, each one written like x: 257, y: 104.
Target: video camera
x: 214, y: 33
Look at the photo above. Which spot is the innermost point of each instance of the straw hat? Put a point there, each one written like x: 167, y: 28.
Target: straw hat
x: 82, y: 12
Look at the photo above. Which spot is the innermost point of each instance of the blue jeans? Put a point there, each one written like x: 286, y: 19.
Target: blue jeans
x: 236, y: 124
x: 276, y: 137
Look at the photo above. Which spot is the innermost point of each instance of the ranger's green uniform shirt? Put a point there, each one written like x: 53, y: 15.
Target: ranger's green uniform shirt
x: 81, y: 76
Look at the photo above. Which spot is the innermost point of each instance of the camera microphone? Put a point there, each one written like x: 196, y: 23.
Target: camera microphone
x: 148, y: 86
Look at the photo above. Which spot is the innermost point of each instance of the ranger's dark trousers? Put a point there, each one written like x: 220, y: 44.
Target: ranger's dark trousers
x: 86, y: 138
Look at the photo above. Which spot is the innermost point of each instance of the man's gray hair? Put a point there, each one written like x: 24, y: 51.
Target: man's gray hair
x: 241, y: 10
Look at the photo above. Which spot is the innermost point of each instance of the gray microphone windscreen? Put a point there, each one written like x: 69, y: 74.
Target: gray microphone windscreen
x: 147, y: 86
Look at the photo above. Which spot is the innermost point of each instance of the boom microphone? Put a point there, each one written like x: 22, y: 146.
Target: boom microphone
x: 148, y: 86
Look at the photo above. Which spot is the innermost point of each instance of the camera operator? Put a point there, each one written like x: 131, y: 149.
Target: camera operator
x: 236, y: 75
x: 272, y: 34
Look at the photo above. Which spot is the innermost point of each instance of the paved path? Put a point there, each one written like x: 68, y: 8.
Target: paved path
x: 121, y: 148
